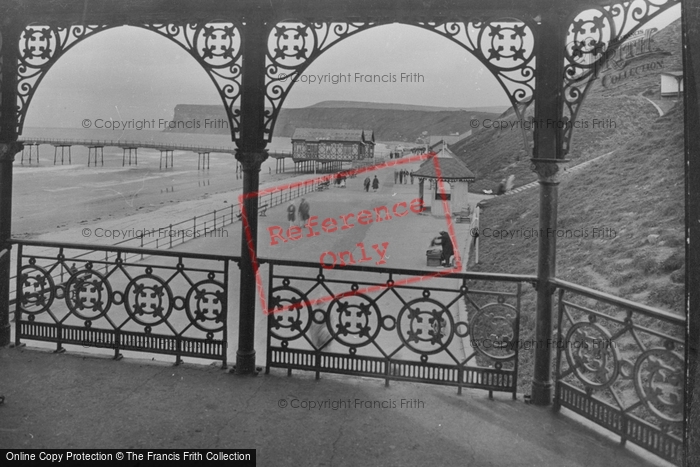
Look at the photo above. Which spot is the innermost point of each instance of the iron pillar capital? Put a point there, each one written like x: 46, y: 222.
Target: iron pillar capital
x: 251, y: 160
x: 549, y: 170
x: 8, y: 151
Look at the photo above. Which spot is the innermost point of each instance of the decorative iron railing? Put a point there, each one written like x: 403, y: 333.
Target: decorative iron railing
x: 622, y: 365
x: 619, y: 364
x: 169, y: 303
x: 395, y: 324
x: 203, y: 225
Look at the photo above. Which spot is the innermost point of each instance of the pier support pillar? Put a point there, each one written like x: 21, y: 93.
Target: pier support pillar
x: 203, y: 161
x: 93, y: 151
x: 132, y: 150
x: 63, y: 147
x: 165, y: 153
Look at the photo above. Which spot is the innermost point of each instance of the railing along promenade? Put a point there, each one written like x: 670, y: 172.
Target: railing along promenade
x: 169, y: 236
x: 618, y: 363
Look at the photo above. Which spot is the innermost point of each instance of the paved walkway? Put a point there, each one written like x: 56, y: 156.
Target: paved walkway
x: 568, y: 171
x: 72, y: 401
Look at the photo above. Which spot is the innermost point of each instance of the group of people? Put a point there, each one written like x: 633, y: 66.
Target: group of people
x: 303, y: 212
x: 340, y: 180
x: 374, y: 183
x: 402, y: 176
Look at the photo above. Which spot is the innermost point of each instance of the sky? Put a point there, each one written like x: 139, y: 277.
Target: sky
x: 131, y: 73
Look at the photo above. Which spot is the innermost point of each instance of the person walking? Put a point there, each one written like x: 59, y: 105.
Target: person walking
x: 375, y: 183
x: 368, y: 182
x: 303, y: 211
x: 291, y: 214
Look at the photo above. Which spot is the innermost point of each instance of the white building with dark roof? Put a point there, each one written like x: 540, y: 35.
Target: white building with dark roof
x: 448, y: 180
x: 311, y: 144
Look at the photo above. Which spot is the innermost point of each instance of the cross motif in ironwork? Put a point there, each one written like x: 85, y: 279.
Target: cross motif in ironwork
x: 150, y: 300
x: 92, y: 289
x: 217, y: 38
x: 353, y: 320
x: 41, y: 44
x: 295, y: 40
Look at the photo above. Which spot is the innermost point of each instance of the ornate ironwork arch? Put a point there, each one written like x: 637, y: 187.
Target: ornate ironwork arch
x: 40, y: 46
x: 215, y: 45
x: 291, y: 47
x: 593, y: 38
x: 504, y: 45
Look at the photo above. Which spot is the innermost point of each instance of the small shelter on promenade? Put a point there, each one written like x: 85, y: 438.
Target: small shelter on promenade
x: 448, y: 178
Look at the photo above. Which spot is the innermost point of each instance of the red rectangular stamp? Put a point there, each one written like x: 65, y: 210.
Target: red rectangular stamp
x: 341, y: 229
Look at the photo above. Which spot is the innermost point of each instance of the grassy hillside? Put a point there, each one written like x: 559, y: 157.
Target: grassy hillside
x: 637, y: 192
x: 494, y: 154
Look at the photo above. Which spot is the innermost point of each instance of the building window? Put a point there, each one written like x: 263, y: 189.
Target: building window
x: 447, y: 189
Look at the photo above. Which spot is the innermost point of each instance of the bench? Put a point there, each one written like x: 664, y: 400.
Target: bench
x: 324, y: 186
x: 463, y: 216
x: 262, y: 211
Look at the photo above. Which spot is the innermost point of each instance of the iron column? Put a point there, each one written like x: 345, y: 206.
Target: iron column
x: 251, y: 153
x: 548, y: 156
x: 8, y: 148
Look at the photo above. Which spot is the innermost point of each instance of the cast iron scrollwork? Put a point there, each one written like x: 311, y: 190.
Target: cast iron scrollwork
x: 88, y: 294
x: 659, y: 381
x: 40, y: 46
x: 37, y: 289
x: 425, y: 326
x: 493, y: 331
x: 291, y: 313
x: 354, y: 319
x: 591, y: 354
x: 217, y: 48
x: 593, y: 38
x: 506, y: 47
x: 205, y: 305
x: 148, y: 300
x: 292, y: 46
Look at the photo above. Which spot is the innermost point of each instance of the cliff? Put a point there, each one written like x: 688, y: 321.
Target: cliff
x: 388, y: 124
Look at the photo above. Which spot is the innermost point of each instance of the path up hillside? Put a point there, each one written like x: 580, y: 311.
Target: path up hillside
x: 637, y: 193
x: 622, y: 224
x: 619, y: 107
